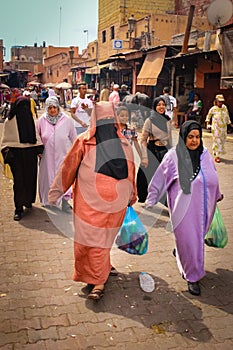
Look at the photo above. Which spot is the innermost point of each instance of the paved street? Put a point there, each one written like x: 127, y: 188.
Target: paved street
x: 41, y: 308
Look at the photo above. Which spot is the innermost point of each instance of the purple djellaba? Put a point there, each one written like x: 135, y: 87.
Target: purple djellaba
x: 188, y: 174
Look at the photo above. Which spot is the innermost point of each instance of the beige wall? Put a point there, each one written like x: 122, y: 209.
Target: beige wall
x: 56, y: 68
x: 164, y: 21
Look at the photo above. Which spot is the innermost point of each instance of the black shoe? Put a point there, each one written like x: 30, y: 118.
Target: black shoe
x: 174, y: 252
x: 194, y: 288
x: 18, y: 213
x: 17, y: 216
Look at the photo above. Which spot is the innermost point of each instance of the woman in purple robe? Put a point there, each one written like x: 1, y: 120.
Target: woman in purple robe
x: 57, y: 133
x: 188, y: 174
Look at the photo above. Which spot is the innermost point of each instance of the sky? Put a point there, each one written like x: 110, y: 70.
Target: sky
x: 57, y: 22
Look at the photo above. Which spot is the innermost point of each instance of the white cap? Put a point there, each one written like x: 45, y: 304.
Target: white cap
x: 116, y: 86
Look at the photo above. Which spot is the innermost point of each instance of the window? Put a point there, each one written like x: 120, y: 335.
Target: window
x: 112, y: 32
x: 103, y: 36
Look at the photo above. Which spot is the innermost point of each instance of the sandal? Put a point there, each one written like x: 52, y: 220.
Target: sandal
x: 96, y: 294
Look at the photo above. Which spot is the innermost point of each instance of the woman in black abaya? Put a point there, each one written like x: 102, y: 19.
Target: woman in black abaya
x: 20, y: 146
x: 155, y: 142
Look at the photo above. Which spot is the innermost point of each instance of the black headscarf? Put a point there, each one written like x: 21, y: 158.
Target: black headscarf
x: 110, y: 157
x: 21, y: 108
x: 160, y: 120
x: 188, y: 160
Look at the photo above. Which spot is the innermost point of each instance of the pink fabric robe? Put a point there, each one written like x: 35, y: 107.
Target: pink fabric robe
x: 57, y: 140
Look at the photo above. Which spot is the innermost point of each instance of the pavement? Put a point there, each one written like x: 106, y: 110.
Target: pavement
x: 41, y: 308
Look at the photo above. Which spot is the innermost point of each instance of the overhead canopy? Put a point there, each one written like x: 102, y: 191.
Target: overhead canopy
x: 96, y: 69
x: 151, y: 67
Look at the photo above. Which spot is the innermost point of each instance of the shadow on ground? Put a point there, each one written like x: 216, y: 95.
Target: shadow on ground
x: 50, y: 220
x: 164, y: 310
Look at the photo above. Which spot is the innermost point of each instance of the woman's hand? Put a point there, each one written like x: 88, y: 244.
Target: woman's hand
x: 144, y: 162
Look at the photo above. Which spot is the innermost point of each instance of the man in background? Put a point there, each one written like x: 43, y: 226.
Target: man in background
x: 171, y: 105
x: 80, y: 110
x: 114, y: 96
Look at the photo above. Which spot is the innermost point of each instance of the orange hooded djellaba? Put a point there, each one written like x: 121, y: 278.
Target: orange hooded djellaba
x: 100, y: 166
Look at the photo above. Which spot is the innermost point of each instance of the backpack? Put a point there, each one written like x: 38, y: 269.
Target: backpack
x: 168, y: 103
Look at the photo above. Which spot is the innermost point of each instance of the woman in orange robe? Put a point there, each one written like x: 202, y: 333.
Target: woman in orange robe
x: 101, y: 169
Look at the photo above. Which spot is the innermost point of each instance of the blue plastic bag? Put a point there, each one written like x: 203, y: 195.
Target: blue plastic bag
x: 217, y: 235
x: 132, y: 237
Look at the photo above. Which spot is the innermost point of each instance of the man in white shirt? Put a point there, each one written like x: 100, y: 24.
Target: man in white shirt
x: 80, y: 109
x: 51, y: 92
x: 171, y: 105
x: 114, y: 96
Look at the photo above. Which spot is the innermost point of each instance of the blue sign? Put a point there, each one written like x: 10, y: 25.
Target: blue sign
x: 118, y: 44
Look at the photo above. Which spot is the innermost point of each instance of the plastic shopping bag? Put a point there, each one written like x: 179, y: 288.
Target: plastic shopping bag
x: 132, y: 237
x: 217, y: 235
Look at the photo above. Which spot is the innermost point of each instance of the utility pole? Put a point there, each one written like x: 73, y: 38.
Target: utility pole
x: 188, y: 29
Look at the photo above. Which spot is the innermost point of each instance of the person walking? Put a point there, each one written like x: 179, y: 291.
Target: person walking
x: 114, y: 95
x: 188, y: 174
x: 126, y: 130
x: 101, y: 167
x: 14, y: 95
x: 57, y: 133
x: 171, y: 105
x: 27, y: 94
x: 80, y: 110
x: 104, y: 93
x: 219, y: 117
x: 194, y: 112
x: 43, y: 96
x: 156, y: 139
x: 51, y: 92
x: 20, y: 146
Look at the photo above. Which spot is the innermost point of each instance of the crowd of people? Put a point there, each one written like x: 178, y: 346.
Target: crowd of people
x: 88, y: 157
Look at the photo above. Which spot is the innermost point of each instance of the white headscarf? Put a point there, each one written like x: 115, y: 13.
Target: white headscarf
x: 52, y: 101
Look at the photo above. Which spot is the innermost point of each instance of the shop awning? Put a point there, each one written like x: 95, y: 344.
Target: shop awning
x: 151, y: 67
x: 96, y: 69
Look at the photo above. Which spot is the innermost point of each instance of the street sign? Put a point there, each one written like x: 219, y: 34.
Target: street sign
x: 117, y: 44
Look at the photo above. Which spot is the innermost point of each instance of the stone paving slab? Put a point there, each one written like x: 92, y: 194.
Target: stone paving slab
x: 42, y: 308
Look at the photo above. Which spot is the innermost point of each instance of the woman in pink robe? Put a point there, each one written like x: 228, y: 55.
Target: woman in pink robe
x: 57, y: 133
x: 188, y: 174
x: 101, y: 169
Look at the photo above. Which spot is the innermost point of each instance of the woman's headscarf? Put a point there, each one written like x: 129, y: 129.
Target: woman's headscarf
x: 21, y: 108
x: 52, y: 101
x: 188, y: 160
x: 160, y: 120
x: 104, y: 126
